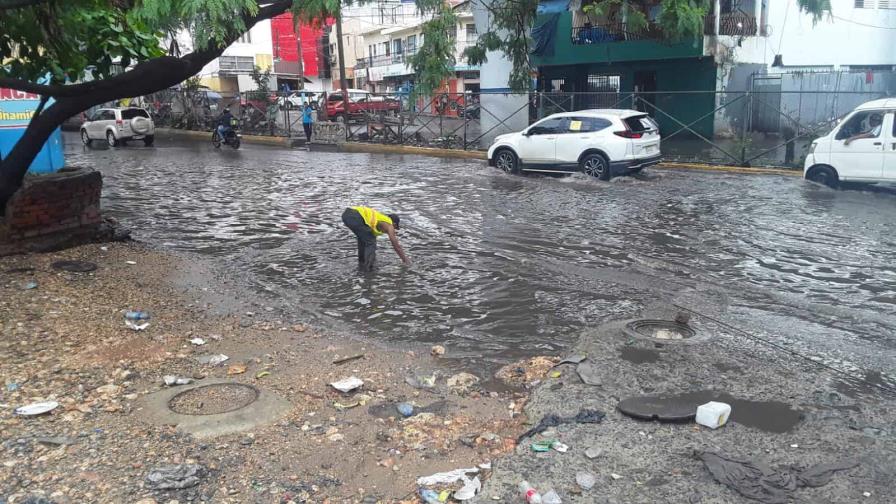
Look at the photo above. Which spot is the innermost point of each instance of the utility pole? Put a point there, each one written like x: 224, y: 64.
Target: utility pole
x: 345, y: 97
x: 298, y: 30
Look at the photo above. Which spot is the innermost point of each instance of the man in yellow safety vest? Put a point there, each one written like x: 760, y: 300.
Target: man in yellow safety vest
x: 368, y: 224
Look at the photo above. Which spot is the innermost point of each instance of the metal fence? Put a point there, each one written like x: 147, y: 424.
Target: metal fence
x: 764, y: 126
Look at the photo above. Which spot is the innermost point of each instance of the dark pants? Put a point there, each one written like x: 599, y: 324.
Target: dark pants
x: 366, y: 240
x: 307, y: 127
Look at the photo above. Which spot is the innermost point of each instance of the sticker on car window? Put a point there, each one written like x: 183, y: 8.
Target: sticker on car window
x: 575, y: 125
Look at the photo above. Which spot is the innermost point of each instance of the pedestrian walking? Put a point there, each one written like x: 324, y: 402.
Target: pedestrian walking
x: 308, y: 120
x: 368, y: 224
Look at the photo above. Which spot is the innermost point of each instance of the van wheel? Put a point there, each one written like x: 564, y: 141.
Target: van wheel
x: 824, y: 175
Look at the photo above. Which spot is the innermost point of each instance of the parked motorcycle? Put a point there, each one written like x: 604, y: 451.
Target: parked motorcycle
x: 231, y: 137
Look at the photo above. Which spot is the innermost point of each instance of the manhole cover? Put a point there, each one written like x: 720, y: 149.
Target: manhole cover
x: 660, y: 331
x: 74, y: 266
x: 213, y: 399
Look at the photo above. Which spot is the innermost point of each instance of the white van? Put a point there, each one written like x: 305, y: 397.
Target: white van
x: 862, y: 148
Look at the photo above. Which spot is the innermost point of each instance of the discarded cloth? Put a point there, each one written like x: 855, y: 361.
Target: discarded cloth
x: 175, y: 477
x: 446, y: 478
x: 552, y: 420
x: 757, y: 481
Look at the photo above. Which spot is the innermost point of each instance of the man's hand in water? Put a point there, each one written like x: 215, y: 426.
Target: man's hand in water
x: 396, y: 245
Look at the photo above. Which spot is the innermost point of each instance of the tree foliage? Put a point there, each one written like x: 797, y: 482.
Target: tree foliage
x: 434, y: 60
x: 509, y: 24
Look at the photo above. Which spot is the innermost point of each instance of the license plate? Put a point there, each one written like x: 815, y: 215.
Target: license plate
x: 650, y: 149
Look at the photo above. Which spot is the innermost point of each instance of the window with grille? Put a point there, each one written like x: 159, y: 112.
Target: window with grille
x: 236, y: 63
x: 246, y: 38
x: 603, y: 83
x: 472, y: 36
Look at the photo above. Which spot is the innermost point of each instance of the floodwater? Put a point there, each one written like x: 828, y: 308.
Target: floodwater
x: 510, y: 266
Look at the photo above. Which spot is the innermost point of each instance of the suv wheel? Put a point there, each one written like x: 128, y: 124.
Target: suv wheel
x: 148, y: 140
x: 506, y: 161
x: 595, y: 165
x: 85, y: 139
x: 110, y: 138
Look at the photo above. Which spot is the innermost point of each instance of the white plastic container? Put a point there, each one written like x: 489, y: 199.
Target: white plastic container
x: 713, y: 414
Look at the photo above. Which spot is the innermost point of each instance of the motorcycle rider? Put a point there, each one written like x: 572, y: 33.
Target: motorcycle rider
x: 224, y: 124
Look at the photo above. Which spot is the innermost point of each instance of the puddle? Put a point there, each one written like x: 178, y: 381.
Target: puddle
x: 768, y: 416
x: 639, y: 355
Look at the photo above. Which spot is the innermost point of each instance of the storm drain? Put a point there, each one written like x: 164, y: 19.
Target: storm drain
x: 213, y: 399
x: 662, y: 331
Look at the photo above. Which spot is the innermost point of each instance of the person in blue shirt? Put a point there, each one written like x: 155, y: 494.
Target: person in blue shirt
x: 307, y: 120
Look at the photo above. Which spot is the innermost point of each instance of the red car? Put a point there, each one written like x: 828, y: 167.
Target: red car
x: 361, y: 102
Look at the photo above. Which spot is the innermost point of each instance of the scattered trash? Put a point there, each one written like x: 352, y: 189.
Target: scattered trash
x: 421, y: 382
x: 131, y: 263
x: 347, y: 384
x: 615, y: 476
x: 551, y: 420
x: 405, y: 409
x: 543, y: 445
x: 589, y: 373
x: 55, y: 441
x: 437, y: 350
x: 593, y: 452
x: 443, y: 495
x: 713, y: 414
x: 342, y: 407
x: 213, y: 360
x: 585, y: 480
x: 757, y: 481
x: 461, y: 383
x: 29, y: 285
x: 866, y: 494
x: 348, y: 359
x: 38, y: 408
x: 560, y: 447
x: 74, y: 266
x: 197, y: 341
x: 794, y: 446
x: 12, y: 387
x: 526, y: 371
x: 135, y: 326
x: 137, y: 315
x: 175, y: 477
x: 529, y: 493
x: 556, y: 374
x: 486, y: 466
x: 469, y: 490
x: 683, y: 318
x: 172, y: 380
x: 551, y: 497
x: 446, y: 478
x: 235, y: 369
x: 573, y: 359
x: 429, y: 496
x: 262, y: 374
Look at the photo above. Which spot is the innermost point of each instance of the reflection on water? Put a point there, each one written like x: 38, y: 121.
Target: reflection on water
x: 512, y: 266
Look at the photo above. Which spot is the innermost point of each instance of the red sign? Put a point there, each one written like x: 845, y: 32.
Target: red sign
x: 14, y: 94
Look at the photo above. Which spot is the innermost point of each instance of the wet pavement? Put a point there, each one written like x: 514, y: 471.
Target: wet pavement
x: 508, y: 266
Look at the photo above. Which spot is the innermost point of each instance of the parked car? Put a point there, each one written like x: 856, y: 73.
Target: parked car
x: 600, y: 142
x: 861, y: 148
x: 118, y: 125
x: 361, y: 102
x: 297, y: 100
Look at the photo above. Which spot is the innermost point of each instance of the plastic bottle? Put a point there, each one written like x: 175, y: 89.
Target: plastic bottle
x: 429, y: 496
x: 136, y: 315
x: 529, y: 493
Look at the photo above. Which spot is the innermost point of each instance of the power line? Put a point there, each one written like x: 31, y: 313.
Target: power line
x: 864, y: 24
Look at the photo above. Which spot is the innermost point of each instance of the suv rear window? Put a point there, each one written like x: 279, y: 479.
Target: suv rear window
x: 132, y: 113
x: 640, y: 123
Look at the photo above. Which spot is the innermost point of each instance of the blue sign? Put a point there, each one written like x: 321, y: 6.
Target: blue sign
x: 16, y: 110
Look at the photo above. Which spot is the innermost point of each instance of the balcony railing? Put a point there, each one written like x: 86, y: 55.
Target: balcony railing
x: 732, y: 24
x: 385, y: 59
x: 613, y: 32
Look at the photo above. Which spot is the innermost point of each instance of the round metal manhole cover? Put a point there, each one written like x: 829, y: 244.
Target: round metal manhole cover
x: 661, y: 331
x: 213, y: 399
x: 74, y: 266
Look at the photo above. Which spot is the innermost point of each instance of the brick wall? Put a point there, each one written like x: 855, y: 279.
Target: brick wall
x: 61, y: 203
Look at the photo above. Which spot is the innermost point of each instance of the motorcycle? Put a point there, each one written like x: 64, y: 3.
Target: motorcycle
x: 231, y: 137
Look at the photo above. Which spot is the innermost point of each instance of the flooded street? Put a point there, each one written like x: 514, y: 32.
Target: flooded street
x: 508, y: 266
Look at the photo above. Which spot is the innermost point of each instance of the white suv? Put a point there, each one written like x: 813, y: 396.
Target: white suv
x: 118, y: 125
x: 600, y: 142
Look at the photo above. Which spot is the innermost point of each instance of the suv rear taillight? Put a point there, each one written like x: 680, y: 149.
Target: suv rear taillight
x: 119, y: 122
x: 628, y: 134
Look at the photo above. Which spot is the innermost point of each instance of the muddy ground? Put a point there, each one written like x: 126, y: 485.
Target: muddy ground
x: 63, y: 338
x: 787, y: 412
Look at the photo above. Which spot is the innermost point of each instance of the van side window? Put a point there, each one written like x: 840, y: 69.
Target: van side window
x: 867, y: 123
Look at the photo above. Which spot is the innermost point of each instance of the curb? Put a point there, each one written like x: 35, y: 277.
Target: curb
x: 250, y: 139
x: 399, y: 149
